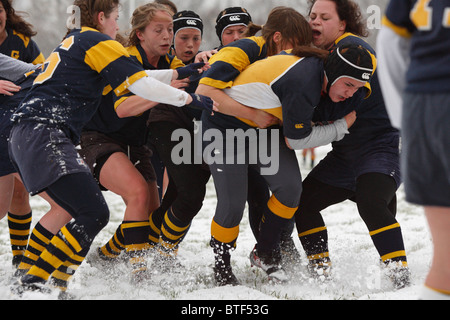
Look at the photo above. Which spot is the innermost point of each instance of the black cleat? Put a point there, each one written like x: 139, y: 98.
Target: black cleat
x: 225, y: 276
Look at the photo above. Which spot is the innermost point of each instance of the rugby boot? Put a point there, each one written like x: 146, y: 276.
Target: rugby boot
x: 271, y: 264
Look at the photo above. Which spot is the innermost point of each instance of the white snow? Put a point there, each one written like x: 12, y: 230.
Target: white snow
x: 357, y: 274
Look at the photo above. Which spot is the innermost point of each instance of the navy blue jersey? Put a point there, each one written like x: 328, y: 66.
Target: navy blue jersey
x: 20, y: 47
x: 129, y: 130
x: 372, y: 118
x: 278, y: 85
x: 371, y: 146
x: 69, y: 88
x: 428, y: 22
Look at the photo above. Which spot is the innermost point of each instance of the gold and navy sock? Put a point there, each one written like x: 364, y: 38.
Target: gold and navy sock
x: 136, y: 243
x: 39, y: 239
x: 275, y: 218
x: 155, y: 219
x: 173, y: 232
x: 223, y: 240
x: 114, y: 246
x: 63, y: 246
x: 389, y: 244
x: 19, y: 231
x: 315, y: 244
x: 61, y: 276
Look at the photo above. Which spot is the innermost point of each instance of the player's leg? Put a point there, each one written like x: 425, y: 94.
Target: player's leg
x: 90, y: 212
x: 311, y: 228
x: 437, y: 283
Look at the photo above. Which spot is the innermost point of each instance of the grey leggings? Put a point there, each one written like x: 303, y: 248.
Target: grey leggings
x: 231, y: 179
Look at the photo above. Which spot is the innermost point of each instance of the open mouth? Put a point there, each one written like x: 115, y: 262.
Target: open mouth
x: 316, y: 33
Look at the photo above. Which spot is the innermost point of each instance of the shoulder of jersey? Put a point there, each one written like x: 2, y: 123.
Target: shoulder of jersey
x: 92, y: 34
x: 24, y: 39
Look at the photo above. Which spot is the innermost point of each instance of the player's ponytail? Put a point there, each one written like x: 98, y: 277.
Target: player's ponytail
x: 89, y: 10
x: 309, y: 51
x: 293, y: 27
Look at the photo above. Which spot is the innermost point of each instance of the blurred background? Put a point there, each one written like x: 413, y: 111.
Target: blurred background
x: 49, y: 16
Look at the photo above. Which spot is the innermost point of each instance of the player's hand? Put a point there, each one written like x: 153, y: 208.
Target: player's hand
x: 180, y: 84
x: 204, y: 56
x: 202, y: 102
x: 264, y: 119
x: 350, y: 118
x: 8, y: 88
x: 191, y: 69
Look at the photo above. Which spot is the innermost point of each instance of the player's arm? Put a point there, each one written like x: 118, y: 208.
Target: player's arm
x: 392, y: 49
x: 159, y: 80
x: 133, y: 106
x: 323, y: 135
x: 13, y: 69
x: 231, y: 107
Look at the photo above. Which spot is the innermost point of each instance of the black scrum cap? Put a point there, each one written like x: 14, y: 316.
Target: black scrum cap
x: 352, y: 61
x: 187, y: 19
x: 232, y: 16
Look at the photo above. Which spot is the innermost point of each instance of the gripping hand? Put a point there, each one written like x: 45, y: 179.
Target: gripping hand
x: 189, y: 70
x: 201, y: 102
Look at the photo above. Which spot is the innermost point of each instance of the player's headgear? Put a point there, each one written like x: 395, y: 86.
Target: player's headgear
x: 187, y: 19
x: 352, y: 61
x: 233, y: 16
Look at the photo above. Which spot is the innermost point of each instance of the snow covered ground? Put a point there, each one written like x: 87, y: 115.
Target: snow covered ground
x: 356, y: 268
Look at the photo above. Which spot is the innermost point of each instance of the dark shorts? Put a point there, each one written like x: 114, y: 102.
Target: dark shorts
x: 97, y: 147
x: 6, y: 166
x: 425, y: 156
x: 341, y: 169
x: 42, y: 154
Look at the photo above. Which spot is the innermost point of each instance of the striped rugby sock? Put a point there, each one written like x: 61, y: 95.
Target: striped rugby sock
x: 19, y: 231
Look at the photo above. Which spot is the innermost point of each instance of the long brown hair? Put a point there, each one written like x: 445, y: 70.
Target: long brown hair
x: 309, y: 51
x: 89, y: 10
x: 290, y: 23
x: 15, y: 21
x: 350, y: 12
x: 141, y: 18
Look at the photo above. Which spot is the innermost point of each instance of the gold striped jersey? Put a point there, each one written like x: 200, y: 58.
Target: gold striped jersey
x: 69, y: 87
x: 287, y: 86
x: 167, y: 61
x: 20, y: 47
x: 427, y: 24
x: 232, y: 59
x: 129, y: 130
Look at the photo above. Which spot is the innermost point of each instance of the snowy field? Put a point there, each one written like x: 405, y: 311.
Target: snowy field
x: 357, y: 274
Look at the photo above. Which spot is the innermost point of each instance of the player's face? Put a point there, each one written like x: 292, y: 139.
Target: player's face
x: 232, y: 34
x: 2, y: 18
x: 156, y: 38
x: 344, y: 88
x: 187, y: 43
x: 325, y: 23
x: 109, y: 25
